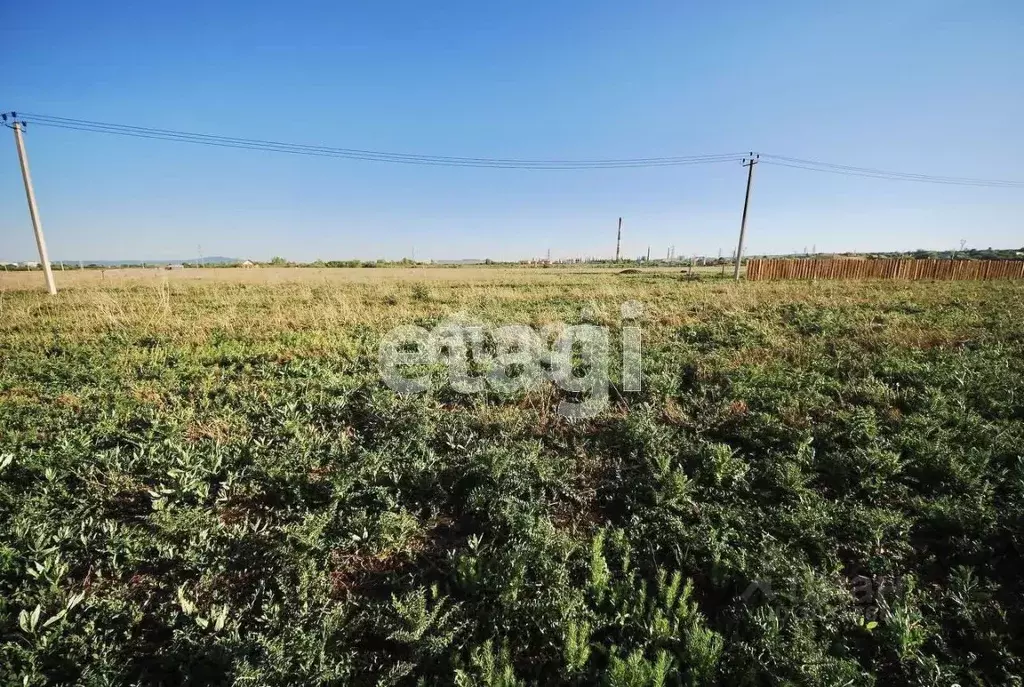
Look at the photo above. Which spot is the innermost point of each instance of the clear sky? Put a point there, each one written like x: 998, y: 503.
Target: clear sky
x: 930, y: 86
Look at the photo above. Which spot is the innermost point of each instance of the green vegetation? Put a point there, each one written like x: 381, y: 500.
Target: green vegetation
x: 206, y: 483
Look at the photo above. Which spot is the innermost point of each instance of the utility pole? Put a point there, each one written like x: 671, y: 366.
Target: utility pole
x: 749, y: 164
x: 648, y: 255
x: 618, y: 241
x: 30, y: 195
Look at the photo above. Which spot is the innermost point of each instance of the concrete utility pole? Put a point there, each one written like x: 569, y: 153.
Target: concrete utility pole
x: 618, y: 241
x: 30, y: 195
x: 749, y: 164
x: 648, y: 254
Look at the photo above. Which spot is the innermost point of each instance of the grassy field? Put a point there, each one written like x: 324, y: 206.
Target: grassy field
x: 73, y: 278
x: 204, y: 481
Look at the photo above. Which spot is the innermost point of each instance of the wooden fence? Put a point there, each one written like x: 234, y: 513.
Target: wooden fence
x: 810, y: 268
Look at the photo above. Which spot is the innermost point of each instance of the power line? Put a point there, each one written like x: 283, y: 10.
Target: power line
x: 870, y: 170
x: 847, y: 170
x: 356, y: 151
x: 493, y: 163
x: 369, y: 155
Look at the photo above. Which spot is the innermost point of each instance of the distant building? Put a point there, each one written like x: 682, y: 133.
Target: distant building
x: 30, y: 264
x: 248, y: 264
x: 175, y: 267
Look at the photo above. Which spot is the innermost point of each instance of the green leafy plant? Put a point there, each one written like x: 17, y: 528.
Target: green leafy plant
x: 207, y: 483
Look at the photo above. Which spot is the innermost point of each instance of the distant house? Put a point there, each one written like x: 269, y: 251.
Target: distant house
x: 30, y: 264
x: 175, y: 267
x: 248, y: 264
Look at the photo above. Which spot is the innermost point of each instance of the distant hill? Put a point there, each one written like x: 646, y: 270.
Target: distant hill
x: 213, y: 260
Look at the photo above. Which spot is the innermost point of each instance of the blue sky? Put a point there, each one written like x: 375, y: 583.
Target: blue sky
x: 928, y: 86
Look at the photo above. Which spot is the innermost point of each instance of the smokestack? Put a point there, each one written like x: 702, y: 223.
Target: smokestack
x: 618, y: 241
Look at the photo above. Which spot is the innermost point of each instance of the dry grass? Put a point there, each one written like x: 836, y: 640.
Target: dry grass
x: 72, y: 279
x: 263, y: 303
x: 266, y: 301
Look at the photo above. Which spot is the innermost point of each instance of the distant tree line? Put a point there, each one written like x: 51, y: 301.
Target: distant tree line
x: 277, y: 261
x: 953, y: 254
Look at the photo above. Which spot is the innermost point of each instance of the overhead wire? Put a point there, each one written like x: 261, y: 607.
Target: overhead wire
x: 494, y: 163
x: 831, y: 168
x: 371, y: 155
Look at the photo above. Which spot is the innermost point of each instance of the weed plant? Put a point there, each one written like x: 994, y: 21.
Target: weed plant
x: 207, y: 483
